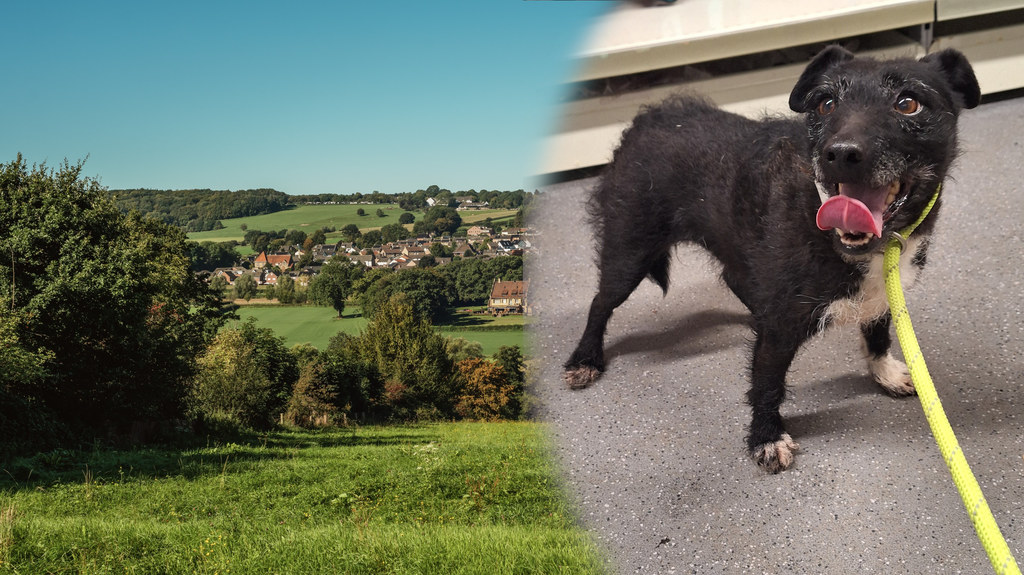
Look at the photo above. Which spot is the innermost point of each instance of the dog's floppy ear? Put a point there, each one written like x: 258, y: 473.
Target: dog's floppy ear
x: 958, y: 72
x: 812, y: 74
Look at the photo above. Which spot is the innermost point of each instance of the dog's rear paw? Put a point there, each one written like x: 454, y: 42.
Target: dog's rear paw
x: 777, y: 455
x: 892, y: 375
x: 581, y: 376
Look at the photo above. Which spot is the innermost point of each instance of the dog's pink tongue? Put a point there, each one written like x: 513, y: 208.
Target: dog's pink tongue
x: 848, y: 214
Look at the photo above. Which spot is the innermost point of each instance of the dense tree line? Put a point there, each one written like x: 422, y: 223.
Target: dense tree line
x: 200, y: 210
x: 431, y: 290
x: 417, y: 201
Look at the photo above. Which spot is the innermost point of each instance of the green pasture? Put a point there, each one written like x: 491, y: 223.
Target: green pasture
x: 316, y: 325
x: 312, y: 217
x: 307, y: 218
x: 452, y: 498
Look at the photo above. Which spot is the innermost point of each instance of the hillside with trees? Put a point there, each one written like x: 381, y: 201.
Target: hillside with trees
x: 200, y: 210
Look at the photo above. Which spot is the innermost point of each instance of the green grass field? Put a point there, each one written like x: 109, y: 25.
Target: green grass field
x: 306, y: 218
x: 312, y: 217
x: 316, y: 325
x: 464, y: 498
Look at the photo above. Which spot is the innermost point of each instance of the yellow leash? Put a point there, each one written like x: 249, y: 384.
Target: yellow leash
x: 984, y: 523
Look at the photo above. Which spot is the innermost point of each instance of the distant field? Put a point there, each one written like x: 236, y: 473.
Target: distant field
x: 306, y: 218
x: 316, y: 325
x: 312, y: 217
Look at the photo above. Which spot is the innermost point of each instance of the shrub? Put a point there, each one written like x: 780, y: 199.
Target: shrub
x: 246, y: 375
x: 487, y: 394
x: 407, y: 351
x: 313, y: 402
x: 103, y: 303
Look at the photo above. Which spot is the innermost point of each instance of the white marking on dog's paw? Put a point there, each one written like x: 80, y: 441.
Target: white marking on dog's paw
x: 581, y: 377
x: 892, y: 375
x: 778, y: 455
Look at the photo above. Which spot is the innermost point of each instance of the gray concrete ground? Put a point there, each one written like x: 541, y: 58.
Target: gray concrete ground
x: 654, y: 450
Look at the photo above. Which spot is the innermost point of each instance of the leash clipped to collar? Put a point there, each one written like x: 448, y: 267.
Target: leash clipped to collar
x: 981, y: 516
x: 903, y: 235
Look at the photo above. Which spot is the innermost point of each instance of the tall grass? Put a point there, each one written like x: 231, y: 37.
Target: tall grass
x: 439, y: 498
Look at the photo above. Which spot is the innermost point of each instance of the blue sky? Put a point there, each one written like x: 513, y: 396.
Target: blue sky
x: 305, y: 97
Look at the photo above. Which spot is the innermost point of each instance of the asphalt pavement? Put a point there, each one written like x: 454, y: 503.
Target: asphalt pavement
x: 653, y: 452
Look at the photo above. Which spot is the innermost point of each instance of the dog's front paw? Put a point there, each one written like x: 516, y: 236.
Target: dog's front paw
x: 892, y: 375
x: 581, y: 376
x: 776, y: 456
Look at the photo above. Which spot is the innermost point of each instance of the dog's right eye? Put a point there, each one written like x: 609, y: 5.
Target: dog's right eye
x: 826, y: 106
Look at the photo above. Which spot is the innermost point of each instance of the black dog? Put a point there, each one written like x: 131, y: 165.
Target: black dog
x: 796, y: 211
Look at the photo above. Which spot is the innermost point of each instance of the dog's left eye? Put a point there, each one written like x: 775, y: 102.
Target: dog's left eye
x: 907, y: 106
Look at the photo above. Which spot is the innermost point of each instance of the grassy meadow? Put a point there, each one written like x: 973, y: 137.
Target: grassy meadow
x: 312, y: 217
x: 316, y: 325
x: 453, y: 498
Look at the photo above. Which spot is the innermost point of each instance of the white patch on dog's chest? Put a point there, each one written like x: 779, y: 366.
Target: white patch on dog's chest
x: 871, y: 302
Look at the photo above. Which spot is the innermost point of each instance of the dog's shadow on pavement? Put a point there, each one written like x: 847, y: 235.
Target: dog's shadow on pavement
x: 695, y: 334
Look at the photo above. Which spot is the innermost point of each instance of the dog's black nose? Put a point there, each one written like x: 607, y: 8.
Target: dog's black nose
x: 844, y: 154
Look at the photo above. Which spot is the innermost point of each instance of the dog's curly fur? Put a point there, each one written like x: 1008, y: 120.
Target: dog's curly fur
x: 749, y: 191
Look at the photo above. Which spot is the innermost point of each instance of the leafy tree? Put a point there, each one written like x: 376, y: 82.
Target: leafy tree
x: 510, y: 358
x: 427, y: 261
x: 460, y: 348
x: 486, y: 391
x: 360, y: 212
x: 429, y: 292
x: 313, y: 401
x: 407, y: 218
x: 410, y: 356
x: 212, y: 255
x: 393, y: 233
x: 439, y: 219
x: 471, y: 279
x: 260, y: 243
x: 245, y: 376
x: 370, y: 239
x: 318, y: 237
x: 333, y: 284
x: 359, y: 386
x: 103, y: 302
x: 507, y: 268
x: 440, y: 250
x: 350, y: 232
x: 245, y: 287
x: 218, y: 284
x: 285, y: 290
x: 295, y: 237
x: 380, y: 213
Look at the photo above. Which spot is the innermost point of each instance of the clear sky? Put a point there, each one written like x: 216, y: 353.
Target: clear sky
x: 338, y: 96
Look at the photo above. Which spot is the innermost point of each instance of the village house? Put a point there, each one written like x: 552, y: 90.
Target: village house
x: 415, y: 252
x: 469, y: 204
x: 229, y: 274
x: 463, y: 251
x: 366, y: 257
x: 263, y: 276
x: 282, y: 261
x: 508, y: 297
x: 478, y: 232
x: 324, y: 252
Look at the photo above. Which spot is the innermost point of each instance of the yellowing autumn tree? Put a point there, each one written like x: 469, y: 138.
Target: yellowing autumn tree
x: 486, y: 393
